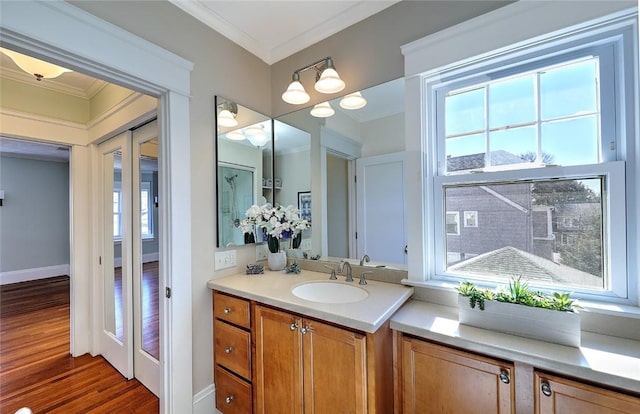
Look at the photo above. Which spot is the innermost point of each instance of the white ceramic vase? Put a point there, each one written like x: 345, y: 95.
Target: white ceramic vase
x: 277, y: 261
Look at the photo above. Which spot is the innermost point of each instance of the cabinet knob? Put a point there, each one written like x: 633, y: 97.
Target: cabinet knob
x: 546, y: 388
x: 504, y: 376
x: 227, y: 311
x: 293, y: 326
x: 228, y: 350
x: 305, y: 329
x: 228, y: 399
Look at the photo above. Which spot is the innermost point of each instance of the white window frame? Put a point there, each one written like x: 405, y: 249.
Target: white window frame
x: 117, y: 189
x: 146, y: 186
x: 472, y: 214
x: 620, y: 26
x: 455, y: 214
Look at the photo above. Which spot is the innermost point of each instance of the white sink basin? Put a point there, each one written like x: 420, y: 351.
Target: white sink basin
x: 329, y: 292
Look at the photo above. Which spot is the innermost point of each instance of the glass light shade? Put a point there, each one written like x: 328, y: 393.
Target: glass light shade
x: 295, y: 94
x: 329, y: 82
x: 322, y: 110
x: 235, y: 135
x: 35, y: 66
x: 226, y: 119
x: 258, y: 140
x: 353, y: 101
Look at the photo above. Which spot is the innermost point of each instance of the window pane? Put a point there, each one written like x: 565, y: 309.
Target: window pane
x: 466, y: 152
x: 569, y: 90
x: 464, y: 112
x: 512, y: 241
x: 116, y: 225
x: 144, y: 213
x: 571, y: 142
x: 513, y: 146
x: 512, y: 102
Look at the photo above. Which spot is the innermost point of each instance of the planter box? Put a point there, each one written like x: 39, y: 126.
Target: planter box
x: 537, y: 323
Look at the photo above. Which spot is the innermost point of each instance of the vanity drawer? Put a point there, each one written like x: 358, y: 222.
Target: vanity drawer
x: 233, y: 395
x: 232, y: 348
x: 231, y: 309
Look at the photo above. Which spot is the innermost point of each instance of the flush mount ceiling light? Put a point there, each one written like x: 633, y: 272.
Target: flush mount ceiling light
x: 353, y: 101
x: 322, y: 110
x: 227, y: 113
x: 34, y: 66
x: 327, y: 81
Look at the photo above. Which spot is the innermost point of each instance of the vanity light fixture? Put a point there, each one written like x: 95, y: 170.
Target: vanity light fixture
x: 235, y: 135
x: 327, y: 81
x: 256, y: 136
x: 322, y: 110
x: 36, y: 67
x: 227, y: 113
x: 353, y: 101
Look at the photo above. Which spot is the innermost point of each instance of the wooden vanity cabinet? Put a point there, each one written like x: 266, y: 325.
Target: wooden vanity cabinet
x: 232, y: 354
x: 553, y: 394
x: 304, y: 365
x: 438, y: 379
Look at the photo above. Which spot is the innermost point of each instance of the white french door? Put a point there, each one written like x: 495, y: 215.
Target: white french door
x: 129, y: 335
x: 380, y: 193
x: 116, y: 316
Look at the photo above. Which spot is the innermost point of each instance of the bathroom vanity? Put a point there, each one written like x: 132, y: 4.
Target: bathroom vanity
x: 276, y: 352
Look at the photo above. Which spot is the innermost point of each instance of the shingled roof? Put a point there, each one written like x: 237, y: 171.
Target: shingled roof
x: 477, y: 161
x: 515, y: 262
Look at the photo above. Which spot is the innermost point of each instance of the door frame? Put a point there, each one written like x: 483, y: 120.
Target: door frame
x: 25, y: 27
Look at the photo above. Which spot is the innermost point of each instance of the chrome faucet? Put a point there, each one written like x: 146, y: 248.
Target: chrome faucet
x: 333, y: 272
x: 365, y: 258
x: 341, y: 268
x: 363, y: 281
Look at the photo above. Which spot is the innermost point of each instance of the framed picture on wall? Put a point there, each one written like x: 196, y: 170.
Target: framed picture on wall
x: 304, y: 205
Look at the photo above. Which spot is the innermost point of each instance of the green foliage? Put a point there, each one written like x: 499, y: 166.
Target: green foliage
x: 294, y: 268
x: 518, y: 292
x: 585, y: 252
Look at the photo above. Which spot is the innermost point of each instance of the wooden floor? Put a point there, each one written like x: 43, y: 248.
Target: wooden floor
x: 36, y: 369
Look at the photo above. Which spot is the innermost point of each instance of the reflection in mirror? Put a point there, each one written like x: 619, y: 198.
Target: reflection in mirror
x: 149, y: 237
x: 351, y: 219
x: 244, y: 170
x: 112, y: 271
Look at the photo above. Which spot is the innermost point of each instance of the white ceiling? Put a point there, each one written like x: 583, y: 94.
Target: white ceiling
x: 274, y: 30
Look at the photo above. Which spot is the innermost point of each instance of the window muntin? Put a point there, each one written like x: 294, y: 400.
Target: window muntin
x: 536, y: 117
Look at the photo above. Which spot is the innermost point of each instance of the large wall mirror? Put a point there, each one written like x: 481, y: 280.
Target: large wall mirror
x: 317, y: 160
x: 244, y: 167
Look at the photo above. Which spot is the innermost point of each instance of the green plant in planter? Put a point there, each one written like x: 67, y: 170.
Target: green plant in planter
x: 518, y: 292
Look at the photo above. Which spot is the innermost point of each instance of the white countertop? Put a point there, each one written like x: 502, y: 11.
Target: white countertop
x: 603, y: 359
x: 274, y: 288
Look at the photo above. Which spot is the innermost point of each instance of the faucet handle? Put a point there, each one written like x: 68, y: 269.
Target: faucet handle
x: 363, y: 281
x: 333, y: 272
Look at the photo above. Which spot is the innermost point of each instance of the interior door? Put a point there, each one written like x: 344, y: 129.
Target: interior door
x: 146, y: 259
x: 380, y: 192
x: 115, y: 205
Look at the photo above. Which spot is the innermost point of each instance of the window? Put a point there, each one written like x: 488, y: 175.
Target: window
x: 471, y: 219
x: 453, y: 223
x: 537, y: 141
x: 146, y: 211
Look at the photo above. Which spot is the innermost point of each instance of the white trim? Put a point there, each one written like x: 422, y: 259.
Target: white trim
x: 204, y: 400
x: 25, y: 125
x: 125, y: 115
x: 146, y: 258
x: 24, y: 275
x: 117, y: 56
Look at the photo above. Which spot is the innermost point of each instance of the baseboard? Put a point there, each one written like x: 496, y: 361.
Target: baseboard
x: 146, y: 258
x: 204, y: 402
x: 25, y: 275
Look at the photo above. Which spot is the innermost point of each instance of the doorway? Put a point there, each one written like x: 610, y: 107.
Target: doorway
x: 130, y: 259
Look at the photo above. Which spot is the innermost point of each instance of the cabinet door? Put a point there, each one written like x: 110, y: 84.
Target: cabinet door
x: 278, y: 362
x: 560, y: 395
x: 437, y: 379
x: 335, y: 377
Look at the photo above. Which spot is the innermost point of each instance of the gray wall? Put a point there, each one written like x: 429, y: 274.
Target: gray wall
x: 34, y: 217
x: 368, y: 53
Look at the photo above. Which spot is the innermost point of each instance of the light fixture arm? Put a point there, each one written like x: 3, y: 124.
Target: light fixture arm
x: 319, y: 66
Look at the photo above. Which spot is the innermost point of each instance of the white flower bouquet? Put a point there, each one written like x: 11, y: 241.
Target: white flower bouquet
x: 278, y: 223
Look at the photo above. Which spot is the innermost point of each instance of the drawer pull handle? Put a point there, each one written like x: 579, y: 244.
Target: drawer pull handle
x: 546, y: 389
x: 227, y: 311
x: 228, y: 350
x: 229, y: 399
x: 293, y: 326
x: 504, y: 376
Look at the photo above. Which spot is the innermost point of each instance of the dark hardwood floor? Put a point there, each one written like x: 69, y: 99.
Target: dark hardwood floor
x: 36, y: 369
